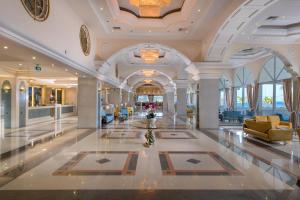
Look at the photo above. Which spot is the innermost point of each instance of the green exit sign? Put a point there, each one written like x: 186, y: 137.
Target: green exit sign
x: 38, y: 67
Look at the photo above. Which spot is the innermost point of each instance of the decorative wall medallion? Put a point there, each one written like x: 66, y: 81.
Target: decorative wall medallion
x: 37, y: 9
x: 85, y: 40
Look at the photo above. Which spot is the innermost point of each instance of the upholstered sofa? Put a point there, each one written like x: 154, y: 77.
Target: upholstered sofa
x: 106, y: 118
x: 232, y: 116
x: 268, y: 128
x: 123, y: 115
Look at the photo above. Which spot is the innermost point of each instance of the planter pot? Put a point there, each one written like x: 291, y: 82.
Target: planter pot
x: 151, y: 123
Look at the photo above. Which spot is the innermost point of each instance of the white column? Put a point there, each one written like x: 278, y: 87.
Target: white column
x: 209, y: 103
x: 88, y: 103
x: 170, y: 94
x: 181, y: 91
x: 165, y: 103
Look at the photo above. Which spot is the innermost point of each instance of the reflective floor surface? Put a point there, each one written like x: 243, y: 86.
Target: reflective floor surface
x: 184, y: 163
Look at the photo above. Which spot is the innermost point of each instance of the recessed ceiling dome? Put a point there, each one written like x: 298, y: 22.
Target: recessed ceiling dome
x: 151, y: 8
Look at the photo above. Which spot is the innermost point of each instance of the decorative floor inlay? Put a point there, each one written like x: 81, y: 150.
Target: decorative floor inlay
x: 112, y: 163
x: 174, y: 135
x: 194, y: 161
x: 202, y: 163
x: 123, y: 134
x: 103, y: 161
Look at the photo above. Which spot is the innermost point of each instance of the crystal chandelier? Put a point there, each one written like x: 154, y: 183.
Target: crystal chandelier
x: 149, y: 55
x: 149, y: 8
x: 148, y: 73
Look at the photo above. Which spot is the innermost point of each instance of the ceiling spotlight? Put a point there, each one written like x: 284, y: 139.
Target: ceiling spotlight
x: 149, y: 31
x: 52, y: 65
x: 33, y: 57
x: 5, y: 47
x: 66, y: 70
x: 101, y: 8
x: 199, y: 10
x: 76, y: 73
x: 20, y: 64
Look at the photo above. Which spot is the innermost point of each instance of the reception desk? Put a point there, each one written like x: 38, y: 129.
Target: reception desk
x: 46, y: 113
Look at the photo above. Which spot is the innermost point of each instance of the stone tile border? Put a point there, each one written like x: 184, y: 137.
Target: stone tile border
x: 168, y: 168
x: 129, y: 168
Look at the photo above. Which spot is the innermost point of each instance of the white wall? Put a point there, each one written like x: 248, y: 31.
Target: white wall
x: 59, y: 33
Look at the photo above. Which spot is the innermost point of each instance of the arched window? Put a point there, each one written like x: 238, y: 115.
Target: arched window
x: 242, y: 78
x: 271, y: 88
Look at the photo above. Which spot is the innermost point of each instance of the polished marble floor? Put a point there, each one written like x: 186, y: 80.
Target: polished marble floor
x: 184, y: 163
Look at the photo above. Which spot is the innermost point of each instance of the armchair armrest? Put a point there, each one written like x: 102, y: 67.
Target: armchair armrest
x: 280, y: 135
x: 288, y: 124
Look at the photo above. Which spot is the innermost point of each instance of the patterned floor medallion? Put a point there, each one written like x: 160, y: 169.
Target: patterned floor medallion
x: 198, y: 163
x: 110, y: 163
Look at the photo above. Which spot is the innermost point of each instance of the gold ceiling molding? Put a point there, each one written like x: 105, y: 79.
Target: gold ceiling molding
x: 149, y: 8
x: 149, y: 56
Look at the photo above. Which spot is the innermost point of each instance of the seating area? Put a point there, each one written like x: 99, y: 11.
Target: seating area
x: 232, y: 116
x: 268, y: 128
x: 106, y: 118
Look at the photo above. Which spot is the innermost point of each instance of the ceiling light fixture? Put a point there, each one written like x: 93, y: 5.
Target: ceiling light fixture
x: 149, y: 55
x: 5, y: 47
x: 148, y: 81
x: 33, y: 57
x: 20, y: 64
x: 149, y: 8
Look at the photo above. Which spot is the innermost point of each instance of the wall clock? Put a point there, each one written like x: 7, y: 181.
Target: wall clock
x: 85, y: 40
x: 37, y: 9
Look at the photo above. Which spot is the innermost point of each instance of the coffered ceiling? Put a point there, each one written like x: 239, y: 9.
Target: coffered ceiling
x: 191, y: 19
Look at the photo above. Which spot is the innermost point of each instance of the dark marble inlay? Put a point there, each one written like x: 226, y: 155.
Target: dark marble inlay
x: 103, y: 161
x: 160, y: 135
x: 193, y: 161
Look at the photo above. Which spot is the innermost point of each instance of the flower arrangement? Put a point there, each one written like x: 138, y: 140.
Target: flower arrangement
x: 151, y: 106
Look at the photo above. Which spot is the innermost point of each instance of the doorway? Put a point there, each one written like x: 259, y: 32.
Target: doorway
x: 22, y: 105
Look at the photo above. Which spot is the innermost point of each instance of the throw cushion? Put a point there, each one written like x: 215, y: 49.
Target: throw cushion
x: 261, y: 118
x: 275, y: 120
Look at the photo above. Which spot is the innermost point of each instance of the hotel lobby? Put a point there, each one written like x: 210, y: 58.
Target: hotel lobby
x: 149, y: 99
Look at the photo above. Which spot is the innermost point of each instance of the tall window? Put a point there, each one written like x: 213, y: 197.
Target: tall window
x: 158, y: 99
x: 143, y: 98
x: 271, y: 88
x: 241, y: 80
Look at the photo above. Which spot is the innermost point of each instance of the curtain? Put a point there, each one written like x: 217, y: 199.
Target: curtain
x: 250, y: 96
x: 228, y: 98
x: 297, y: 105
x: 255, y: 96
x: 287, y: 94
